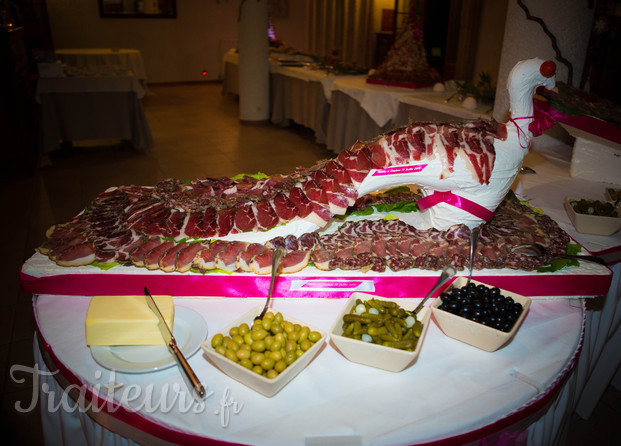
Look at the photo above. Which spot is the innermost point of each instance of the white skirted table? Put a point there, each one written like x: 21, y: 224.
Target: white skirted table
x: 123, y: 58
x: 565, y: 353
x: 91, y: 108
x: 436, y: 107
x: 454, y: 393
x: 361, y: 111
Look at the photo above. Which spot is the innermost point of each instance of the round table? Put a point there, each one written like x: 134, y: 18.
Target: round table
x: 453, y: 393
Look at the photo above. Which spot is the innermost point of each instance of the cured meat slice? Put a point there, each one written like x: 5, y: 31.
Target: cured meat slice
x: 137, y: 255
x: 262, y: 263
x: 157, y: 222
x: 284, y: 207
x: 294, y: 261
x: 168, y: 260
x: 245, y: 258
x: 319, y: 216
x: 356, y: 162
x: 152, y: 258
x: 308, y: 241
x: 194, y: 225
x: 206, y: 259
x: 227, y: 258
x: 224, y: 221
x: 315, y: 192
x: 186, y: 257
x: 173, y: 225
x: 123, y: 253
x: 322, y: 259
x: 244, y: 220
x: 338, y: 172
x: 291, y: 243
x: 76, y: 255
x: 301, y: 202
x: 266, y: 217
x: 276, y: 242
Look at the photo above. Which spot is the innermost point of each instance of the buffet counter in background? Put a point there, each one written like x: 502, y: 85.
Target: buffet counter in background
x: 92, y: 105
x: 93, y: 58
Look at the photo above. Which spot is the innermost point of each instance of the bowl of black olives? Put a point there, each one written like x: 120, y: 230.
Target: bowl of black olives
x: 483, y: 316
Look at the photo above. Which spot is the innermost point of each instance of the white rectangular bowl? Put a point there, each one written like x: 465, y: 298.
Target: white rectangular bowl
x: 374, y: 355
x: 473, y: 333
x: 592, y: 224
x: 265, y: 386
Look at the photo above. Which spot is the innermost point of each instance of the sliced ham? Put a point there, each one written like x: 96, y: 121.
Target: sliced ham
x: 206, y: 258
x: 227, y: 258
x: 137, y: 255
x: 152, y: 258
x: 245, y: 258
x: 168, y: 260
x: 186, y: 257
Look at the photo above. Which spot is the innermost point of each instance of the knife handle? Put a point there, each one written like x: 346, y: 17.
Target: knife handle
x: 198, y: 390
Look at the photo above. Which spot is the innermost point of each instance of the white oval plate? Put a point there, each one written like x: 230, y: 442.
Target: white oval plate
x: 190, y: 330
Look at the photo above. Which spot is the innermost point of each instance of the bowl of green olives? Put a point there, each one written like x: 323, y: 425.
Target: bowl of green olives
x: 594, y: 216
x: 264, y: 354
x: 380, y: 332
x: 483, y: 316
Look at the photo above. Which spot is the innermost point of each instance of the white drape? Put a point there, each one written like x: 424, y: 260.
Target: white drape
x: 341, y: 29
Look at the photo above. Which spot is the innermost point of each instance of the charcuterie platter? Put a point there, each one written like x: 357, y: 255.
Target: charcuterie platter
x: 383, y: 216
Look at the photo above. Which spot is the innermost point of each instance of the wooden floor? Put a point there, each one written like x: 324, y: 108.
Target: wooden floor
x: 197, y: 134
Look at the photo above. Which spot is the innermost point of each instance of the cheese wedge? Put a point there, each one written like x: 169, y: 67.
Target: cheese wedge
x: 126, y: 320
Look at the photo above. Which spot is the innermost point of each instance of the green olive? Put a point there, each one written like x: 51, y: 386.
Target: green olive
x: 217, y: 340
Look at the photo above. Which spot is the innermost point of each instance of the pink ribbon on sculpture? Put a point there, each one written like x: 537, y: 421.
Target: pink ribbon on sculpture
x: 545, y: 117
x: 455, y: 200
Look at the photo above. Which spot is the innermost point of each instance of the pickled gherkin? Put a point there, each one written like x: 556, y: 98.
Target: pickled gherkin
x: 384, y: 323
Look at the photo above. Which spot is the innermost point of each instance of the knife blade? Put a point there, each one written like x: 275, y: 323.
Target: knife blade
x: 196, y: 387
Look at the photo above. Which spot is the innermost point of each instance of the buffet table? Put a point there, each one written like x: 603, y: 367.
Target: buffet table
x: 92, y: 107
x: 361, y: 111
x: 123, y: 58
x: 457, y: 392
x: 561, y: 360
x: 436, y: 107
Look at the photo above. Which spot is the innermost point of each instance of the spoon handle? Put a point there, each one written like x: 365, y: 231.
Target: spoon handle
x: 447, y: 273
x: 474, y: 238
x: 580, y: 257
x: 275, y: 262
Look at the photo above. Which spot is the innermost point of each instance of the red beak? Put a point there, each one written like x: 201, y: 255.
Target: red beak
x: 548, y: 68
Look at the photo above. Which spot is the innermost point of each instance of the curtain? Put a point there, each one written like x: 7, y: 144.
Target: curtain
x: 341, y: 29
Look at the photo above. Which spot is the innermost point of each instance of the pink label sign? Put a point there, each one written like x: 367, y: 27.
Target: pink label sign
x: 332, y: 285
x: 397, y: 170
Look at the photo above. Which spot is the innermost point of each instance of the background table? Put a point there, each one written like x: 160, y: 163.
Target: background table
x: 453, y: 390
x: 361, y: 111
x: 431, y: 106
x: 124, y: 58
x: 92, y: 107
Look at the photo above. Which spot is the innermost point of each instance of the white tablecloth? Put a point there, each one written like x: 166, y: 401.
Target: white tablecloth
x: 90, y: 108
x: 129, y: 59
x: 451, y: 390
x: 431, y: 106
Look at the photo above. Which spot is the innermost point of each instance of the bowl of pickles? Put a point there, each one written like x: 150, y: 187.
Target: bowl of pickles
x: 379, y: 332
x: 594, y: 216
x: 264, y: 354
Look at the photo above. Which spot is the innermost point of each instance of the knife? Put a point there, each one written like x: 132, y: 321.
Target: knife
x: 197, y: 388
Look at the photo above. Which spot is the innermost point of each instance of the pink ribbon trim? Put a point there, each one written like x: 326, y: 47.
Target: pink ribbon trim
x: 546, y: 116
x: 455, y: 200
x: 247, y: 285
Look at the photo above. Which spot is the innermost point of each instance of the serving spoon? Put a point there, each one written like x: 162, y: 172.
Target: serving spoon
x: 275, y: 262
x: 536, y: 250
x: 447, y: 273
x: 474, y: 239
